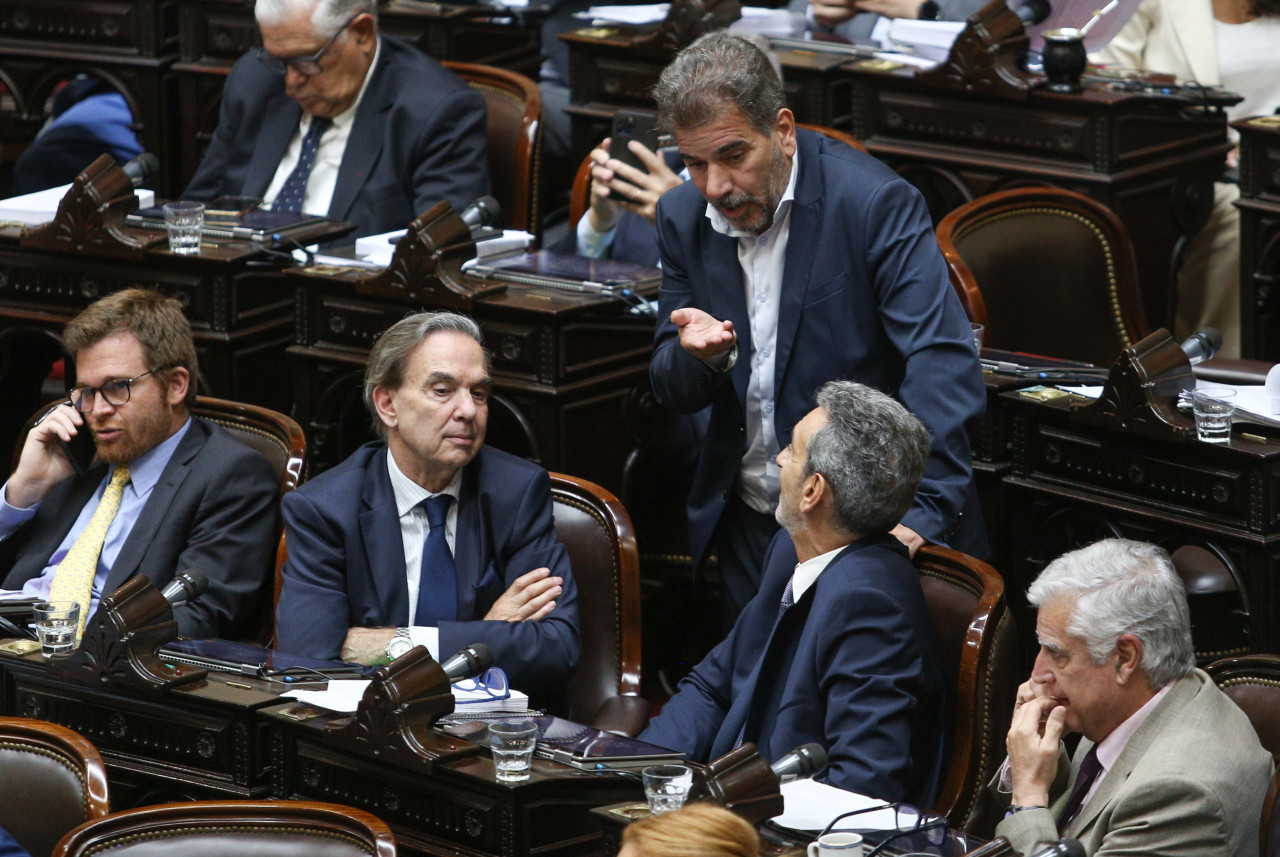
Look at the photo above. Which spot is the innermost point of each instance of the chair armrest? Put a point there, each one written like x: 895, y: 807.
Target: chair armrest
x: 625, y: 715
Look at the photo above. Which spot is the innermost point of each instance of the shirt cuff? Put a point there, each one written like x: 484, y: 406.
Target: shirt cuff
x: 592, y: 244
x: 1006, y: 778
x: 724, y: 362
x: 429, y: 637
x: 12, y: 517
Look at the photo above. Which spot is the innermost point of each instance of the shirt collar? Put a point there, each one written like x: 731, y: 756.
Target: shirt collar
x: 408, y: 493
x: 721, y: 224
x: 1110, y: 748
x: 806, y: 573
x: 145, y: 470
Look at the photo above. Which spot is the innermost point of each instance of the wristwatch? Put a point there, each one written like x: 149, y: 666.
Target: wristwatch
x: 399, y: 645
x: 929, y: 10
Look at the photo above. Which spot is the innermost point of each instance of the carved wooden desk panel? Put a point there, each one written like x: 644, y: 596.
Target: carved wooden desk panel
x: 1073, y: 484
x: 202, y: 742
x: 459, y: 808
x: 1259, y: 206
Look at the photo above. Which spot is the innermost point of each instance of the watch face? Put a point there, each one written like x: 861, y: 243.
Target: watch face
x: 398, y: 647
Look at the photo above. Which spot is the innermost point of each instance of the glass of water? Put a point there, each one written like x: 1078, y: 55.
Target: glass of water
x: 57, y: 624
x: 1213, y: 408
x: 513, y: 742
x: 184, y: 220
x: 666, y: 786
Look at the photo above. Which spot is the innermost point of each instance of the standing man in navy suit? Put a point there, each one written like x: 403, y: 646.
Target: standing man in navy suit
x: 329, y: 117
x: 790, y: 260
x: 426, y: 537
x: 837, y: 648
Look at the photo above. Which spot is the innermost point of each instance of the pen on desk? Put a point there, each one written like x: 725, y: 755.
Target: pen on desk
x: 239, y: 685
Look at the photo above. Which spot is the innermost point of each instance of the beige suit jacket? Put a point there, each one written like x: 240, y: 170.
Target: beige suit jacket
x: 1171, y: 36
x: 1190, y: 782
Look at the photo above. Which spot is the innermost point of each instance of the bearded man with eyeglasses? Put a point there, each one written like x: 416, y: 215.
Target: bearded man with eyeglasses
x: 330, y: 118
x: 165, y: 491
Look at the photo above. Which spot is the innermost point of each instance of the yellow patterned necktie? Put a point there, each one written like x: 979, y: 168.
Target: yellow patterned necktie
x: 73, y: 581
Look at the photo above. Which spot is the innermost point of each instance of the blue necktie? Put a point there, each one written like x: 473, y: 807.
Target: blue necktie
x: 295, y: 187
x: 784, y: 605
x: 437, y: 582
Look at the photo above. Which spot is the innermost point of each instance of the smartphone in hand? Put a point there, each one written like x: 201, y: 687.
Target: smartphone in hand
x: 631, y: 125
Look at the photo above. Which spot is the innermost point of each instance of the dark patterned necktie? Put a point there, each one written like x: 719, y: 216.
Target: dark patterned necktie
x: 437, y: 582
x: 1089, y: 770
x: 295, y: 187
x: 784, y: 605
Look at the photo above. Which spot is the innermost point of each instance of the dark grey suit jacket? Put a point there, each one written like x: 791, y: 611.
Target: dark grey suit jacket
x: 419, y: 137
x: 214, y: 509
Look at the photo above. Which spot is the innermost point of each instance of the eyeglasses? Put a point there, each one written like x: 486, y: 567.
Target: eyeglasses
x: 307, y: 66
x: 908, y: 821
x: 115, y: 392
x: 491, y: 685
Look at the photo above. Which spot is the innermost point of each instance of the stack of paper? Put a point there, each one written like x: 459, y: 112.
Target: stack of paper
x: 344, y: 695
x: 42, y: 206
x: 931, y: 40
x: 480, y: 701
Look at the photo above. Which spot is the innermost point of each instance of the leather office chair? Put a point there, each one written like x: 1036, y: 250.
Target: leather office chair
x: 233, y: 829
x: 974, y: 632
x: 1048, y: 271
x: 596, y: 531
x: 56, y: 781
x: 580, y: 195
x: 515, y: 138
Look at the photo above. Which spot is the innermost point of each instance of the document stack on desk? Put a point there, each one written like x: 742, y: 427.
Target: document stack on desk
x: 42, y: 206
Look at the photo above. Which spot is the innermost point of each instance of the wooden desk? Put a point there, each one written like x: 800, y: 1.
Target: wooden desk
x: 1259, y: 206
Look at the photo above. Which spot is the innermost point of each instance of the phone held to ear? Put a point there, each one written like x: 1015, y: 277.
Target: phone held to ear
x: 80, y: 450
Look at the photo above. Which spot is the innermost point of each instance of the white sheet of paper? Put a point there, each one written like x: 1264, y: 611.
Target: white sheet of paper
x: 647, y: 13
x: 812, y: 806
x: 42, y: 206
x: 342, y: 695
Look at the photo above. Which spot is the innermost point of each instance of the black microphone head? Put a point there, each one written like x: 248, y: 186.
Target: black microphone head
x: 481, y: 654
x: 1032, y: 12
x: 142, y: 169
x: 482, y: 212
x: 1202, y: 345
x: 1213, y: 335
x: 815, y: 756
x: 194, y: 581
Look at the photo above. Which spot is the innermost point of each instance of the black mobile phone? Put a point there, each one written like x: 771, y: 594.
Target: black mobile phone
x: 80, y: 450
x: 631, y: 125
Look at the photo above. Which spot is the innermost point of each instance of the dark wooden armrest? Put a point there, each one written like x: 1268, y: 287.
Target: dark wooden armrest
x: 626, y: 715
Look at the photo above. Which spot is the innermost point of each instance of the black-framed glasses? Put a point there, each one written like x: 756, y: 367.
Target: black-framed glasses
x: 307, y: 66
x: 492, y: 684
x: 115, y: 392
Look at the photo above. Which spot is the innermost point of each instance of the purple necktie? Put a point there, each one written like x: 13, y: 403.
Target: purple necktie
x: 1089, y: 770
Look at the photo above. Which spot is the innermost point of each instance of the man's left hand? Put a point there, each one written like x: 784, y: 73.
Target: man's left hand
x: 367, y: 646
x: 530, y: 598
x: 890, y: 8
x: 909, y: 537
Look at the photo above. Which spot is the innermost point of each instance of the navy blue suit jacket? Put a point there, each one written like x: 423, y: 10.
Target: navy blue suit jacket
x: 852, y: 666
x: 346, y: 565
x: 214, y: 508
x: 865, y: 297
x: 419, y: 137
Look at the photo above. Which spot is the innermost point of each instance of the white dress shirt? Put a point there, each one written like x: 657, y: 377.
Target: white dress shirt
x: 333, y: 145
x: 763, y: 259
x: 807, y: 572
x: 413, y: 532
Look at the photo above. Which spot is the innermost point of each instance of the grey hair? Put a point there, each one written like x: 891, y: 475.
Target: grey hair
x: 718, y: 71
x: 391, y: 352
x: 327, y: 16
x: 872, y: 452
x: 1118, y: 586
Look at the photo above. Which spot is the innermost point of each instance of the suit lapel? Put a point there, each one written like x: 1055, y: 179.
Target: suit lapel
x: 35, y: 557
x: 471, y: 539
x: 157, y: 507
x: 806, y: 223
x: 1133, y: 751
x: 383, y: 544
x: 364, y: 143
x: 277, y: 131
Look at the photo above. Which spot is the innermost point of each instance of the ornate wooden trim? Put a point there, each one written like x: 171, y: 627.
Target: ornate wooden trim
x: 91, y: 216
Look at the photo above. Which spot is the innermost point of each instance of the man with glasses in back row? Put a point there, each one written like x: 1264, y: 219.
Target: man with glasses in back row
x: 165, y: 492
x: 329, y: 117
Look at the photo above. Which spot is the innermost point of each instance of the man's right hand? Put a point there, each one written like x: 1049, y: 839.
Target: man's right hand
x: 530, y: 598
x: 703, y: 335
x: 1034, y: 744
x: 43, y: 463
x: 829, y: 13
x: 616, y: 186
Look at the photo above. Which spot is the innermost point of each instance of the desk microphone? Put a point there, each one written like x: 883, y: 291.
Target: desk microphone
x: 1032, y: 12
x: 142, y: 169
x: 482, y: 212
x: 469, y: 662
x: 1202, y: 345
x: 801, y: 763
x: 1064, y: 847
x: 186, y: 586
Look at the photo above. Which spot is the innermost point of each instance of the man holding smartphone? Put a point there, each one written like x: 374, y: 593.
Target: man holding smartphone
x: 164, y: 491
